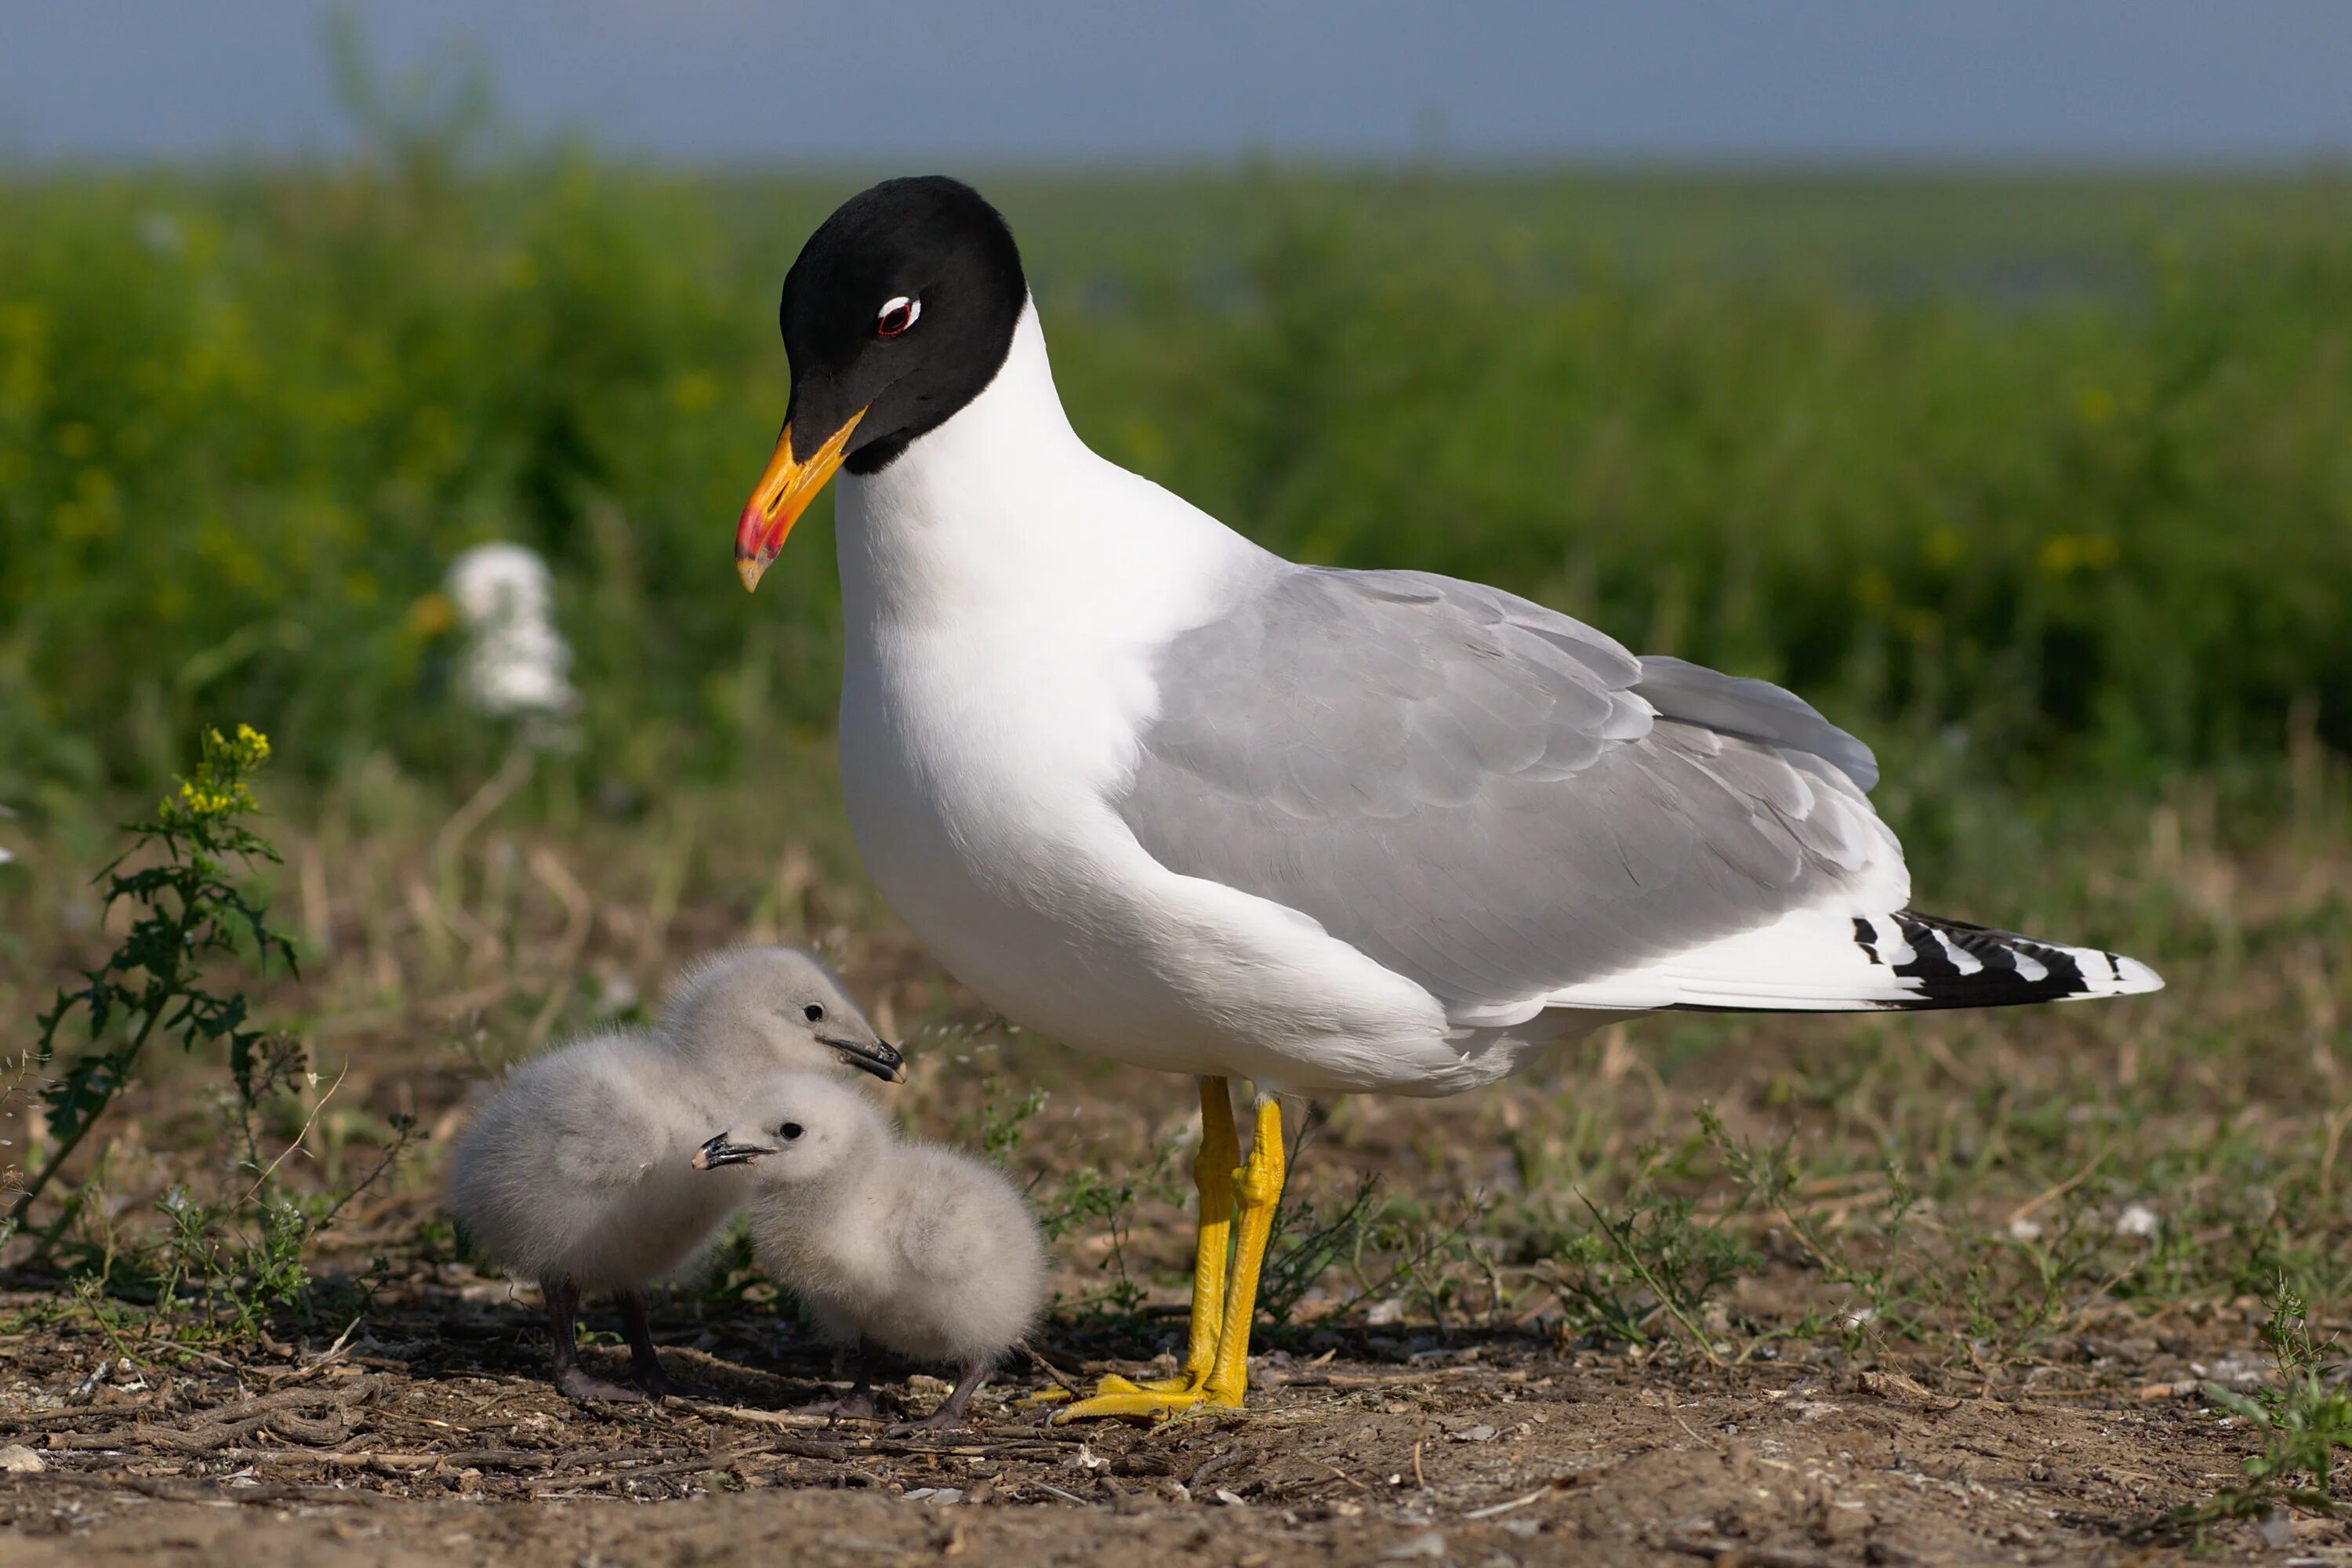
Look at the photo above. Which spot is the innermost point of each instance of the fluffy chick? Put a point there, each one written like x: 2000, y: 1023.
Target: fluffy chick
x: 912, y: 1248
x: 578, y: 1172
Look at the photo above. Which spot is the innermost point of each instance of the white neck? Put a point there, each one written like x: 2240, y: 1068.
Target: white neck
x: 1004, y: 512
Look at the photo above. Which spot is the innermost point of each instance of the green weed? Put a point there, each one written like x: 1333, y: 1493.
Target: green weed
x: 1305, y: 1242
x: 215, y: 1267
x: 1877, y: 1292
x: 2304, y: 1419
x: 186, y: 908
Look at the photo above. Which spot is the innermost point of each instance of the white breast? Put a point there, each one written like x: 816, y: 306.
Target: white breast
x: 1005, y: 593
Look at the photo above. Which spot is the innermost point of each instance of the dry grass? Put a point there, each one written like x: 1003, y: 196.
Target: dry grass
x: 2064, y: 1218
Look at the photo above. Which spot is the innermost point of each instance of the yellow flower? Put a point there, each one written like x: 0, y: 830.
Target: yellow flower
x: 218, y: 788
x: 430, y: 616
x: 2063, y: 554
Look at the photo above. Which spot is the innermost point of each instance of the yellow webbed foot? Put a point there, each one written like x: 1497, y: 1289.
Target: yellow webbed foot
x: 1157, y: 1400
x: 1112, y: 1383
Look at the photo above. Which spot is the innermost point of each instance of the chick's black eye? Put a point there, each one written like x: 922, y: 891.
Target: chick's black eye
x: 789, y: 1132
x: 813, y: 1013
x: 897, y: 316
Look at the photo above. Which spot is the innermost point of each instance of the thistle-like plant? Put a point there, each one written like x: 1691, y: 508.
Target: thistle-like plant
x: 188, y: 909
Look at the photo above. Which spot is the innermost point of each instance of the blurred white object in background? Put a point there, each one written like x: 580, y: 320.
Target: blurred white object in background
x: 516, y: 664
x: 6, y: 855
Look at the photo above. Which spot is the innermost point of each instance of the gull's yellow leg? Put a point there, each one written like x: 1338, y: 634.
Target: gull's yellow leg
x: 1216, y: 1173
x: 1260, y: 1189
x: 1214, y: 1168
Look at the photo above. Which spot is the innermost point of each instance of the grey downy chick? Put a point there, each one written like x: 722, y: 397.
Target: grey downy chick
x: 578, y: 1172
x: 912, y: 1248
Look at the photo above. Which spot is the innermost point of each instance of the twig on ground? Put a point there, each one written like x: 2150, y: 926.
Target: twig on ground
x: 1493, y: 1508
x: 1347, y: 1477
x: 323, y: 1359
x: 1678, y: 1416
x: 1050, y: 1370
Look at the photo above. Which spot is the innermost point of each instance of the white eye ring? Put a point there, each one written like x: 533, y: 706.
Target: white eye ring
x: 914, y: 309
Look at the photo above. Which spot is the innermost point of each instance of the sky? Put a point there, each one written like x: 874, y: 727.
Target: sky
x: 1096, y: 81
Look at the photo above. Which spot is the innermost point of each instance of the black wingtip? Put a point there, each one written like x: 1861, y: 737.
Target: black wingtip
x: 2009, y: 970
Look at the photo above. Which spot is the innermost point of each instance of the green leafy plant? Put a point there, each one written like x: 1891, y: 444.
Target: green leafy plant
x: 1082, y: 1201
x: 2304, y: 1416
x: 1768, y: 1177
x: 1001, y: 1129
x: 1406, y: 1247
x: 219, y: 1261
x: 155, y: 981
x: 1305, y: 1241
x: 1654, y: 1257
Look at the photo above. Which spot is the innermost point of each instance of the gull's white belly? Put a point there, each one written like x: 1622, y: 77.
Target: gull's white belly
x: 978, y: 769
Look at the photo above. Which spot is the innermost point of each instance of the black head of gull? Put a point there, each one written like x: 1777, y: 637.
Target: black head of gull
x: 900, y: 311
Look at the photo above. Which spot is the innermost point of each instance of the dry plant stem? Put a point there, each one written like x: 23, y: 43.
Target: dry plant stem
x: 295, y: 1143
x: 2051, y: 1195
x: 476, y: 811
x: 1050, y: 1371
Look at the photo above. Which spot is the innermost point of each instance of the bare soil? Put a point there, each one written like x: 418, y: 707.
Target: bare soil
x: 434, y: 1440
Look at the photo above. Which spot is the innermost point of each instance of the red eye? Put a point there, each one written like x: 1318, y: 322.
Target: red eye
x: 898, y: 316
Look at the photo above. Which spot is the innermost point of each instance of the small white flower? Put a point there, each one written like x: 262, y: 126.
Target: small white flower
x: 1856, y: 1317
x: 2138, y: 1219
x: 2024, y: 1229
x: 516, y: 665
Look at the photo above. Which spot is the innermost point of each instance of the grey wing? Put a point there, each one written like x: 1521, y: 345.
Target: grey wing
x: 1487, y: 796
x: 1752, y: 710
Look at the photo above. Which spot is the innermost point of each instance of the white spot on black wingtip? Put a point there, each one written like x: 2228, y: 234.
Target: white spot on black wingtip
x: 2007, y: 969
x: 1866, y: 937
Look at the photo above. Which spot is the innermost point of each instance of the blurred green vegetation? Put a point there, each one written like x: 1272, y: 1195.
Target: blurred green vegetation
x: 2019, y: 477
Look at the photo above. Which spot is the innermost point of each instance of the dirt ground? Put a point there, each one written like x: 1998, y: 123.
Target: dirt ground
x: 441, y: 1444
x: 1978, y: 1319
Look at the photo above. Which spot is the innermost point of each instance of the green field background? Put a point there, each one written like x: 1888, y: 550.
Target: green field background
x: 2028, y: 480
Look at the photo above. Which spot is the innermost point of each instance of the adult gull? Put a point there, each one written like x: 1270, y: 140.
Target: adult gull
x: 1158, y: 794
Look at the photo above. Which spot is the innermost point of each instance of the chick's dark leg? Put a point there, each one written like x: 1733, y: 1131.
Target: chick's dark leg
x: 857, y: 1405
x: 572, y: 1380
x: 951, y: 1411
x: 644, y: 1362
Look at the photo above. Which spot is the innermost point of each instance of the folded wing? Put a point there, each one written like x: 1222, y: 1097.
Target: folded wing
x: 1491, y: 798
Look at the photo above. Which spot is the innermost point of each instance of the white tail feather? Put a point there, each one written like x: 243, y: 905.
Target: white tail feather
x: 1821, y: 961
